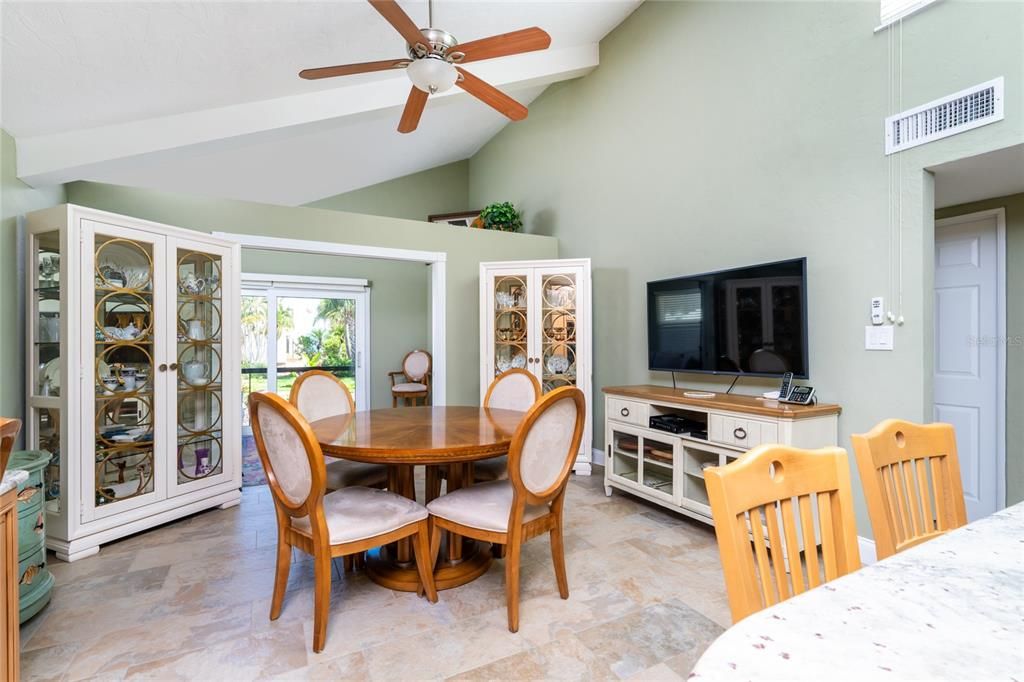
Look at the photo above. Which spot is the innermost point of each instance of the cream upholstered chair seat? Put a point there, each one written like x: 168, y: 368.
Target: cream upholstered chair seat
x: 493, y: 469
x: 358, y: 513
x: 409, y: 388
x: 486, y: 506
x: 344, y: 473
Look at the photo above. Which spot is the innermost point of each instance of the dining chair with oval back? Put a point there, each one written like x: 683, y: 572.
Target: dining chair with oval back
x: 530, y: 501
x: 347, y: 521
x: 318, y: 394
x: 415, y: 374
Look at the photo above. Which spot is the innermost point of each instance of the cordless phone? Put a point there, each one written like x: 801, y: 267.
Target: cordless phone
x: 787, y: 381
x: 801, y: 395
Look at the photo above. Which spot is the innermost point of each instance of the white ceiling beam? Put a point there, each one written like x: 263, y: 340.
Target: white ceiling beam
x: 73, y: 155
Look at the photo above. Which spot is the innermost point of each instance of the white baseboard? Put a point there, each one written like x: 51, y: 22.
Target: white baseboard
x: 597, y: 457
x: 867, y: 551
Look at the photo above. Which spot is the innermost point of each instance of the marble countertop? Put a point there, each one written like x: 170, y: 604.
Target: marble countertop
x: 12, y: 479
x: 951, y: 608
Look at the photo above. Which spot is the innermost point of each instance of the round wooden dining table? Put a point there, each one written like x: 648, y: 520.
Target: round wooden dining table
x: 402, y: 438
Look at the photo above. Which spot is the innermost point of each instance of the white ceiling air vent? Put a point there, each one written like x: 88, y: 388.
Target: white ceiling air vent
x: 964, y: 110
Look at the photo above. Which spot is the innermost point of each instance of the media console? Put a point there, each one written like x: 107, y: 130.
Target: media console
x: 667, y: 468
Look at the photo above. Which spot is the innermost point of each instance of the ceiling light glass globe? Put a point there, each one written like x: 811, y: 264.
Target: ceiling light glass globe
x: 432, y: 75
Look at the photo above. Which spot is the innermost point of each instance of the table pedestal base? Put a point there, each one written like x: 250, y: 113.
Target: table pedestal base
x: 387, y: 572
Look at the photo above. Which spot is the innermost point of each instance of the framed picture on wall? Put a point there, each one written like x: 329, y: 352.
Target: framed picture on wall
x: 462, y: 219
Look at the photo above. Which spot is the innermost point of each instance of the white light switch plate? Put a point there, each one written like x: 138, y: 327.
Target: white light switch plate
x: 879, y: 338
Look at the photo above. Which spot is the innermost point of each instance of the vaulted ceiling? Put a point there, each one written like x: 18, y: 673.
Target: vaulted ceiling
x: 203, y: 97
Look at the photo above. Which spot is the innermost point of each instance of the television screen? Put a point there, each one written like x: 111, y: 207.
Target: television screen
x: 749, y: 320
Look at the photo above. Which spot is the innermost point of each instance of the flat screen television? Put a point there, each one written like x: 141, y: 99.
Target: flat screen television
x: 750, y: 321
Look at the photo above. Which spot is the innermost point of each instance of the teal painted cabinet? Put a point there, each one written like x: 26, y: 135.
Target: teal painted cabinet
x: 35, y: 582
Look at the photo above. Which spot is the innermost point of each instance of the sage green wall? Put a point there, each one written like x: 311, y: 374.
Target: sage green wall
x: 444, y: 189
x: 399, y: 303
x: 1014, y: 206
x: 16, y: 198
x: 465, y: 250
x: 719, y: 134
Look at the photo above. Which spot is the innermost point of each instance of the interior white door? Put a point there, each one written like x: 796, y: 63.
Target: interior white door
x: 967, y: 353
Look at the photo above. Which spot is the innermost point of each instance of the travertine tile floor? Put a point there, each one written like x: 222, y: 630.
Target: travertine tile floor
x: 190, y: 601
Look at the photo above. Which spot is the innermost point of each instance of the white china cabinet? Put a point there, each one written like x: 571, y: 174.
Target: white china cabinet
x: 536, y: 315
x: 132, y: 373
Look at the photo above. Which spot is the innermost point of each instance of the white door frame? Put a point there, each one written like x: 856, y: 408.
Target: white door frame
x: 302, y: 286
x: 435, y: 260
x: 1000, y: 215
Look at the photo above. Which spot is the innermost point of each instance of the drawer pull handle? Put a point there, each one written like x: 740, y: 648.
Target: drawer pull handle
x: 624, y: 411
x: 739, y: 433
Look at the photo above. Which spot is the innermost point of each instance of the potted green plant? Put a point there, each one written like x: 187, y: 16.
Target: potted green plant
x: 502, y: 216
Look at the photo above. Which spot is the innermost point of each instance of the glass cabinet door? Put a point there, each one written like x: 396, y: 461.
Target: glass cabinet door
x: 558, y: 340
x: 47, y: 375
x: 623, y: 454
x: 125, y: 338
x: 510, y: 328
x: 199, y: 416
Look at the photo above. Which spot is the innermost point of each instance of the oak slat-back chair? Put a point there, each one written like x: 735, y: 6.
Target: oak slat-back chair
x: 911, y: 478
x: 767, y: 491
x: 347, y: 521
x: 540, y: 458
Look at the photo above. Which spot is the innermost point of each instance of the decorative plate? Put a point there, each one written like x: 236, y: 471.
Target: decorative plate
x: 557, y: 364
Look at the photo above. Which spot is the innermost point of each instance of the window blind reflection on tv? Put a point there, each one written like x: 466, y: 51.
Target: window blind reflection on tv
x: 750, y: 320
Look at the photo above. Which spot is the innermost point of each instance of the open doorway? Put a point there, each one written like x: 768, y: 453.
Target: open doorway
x: 979, y: 322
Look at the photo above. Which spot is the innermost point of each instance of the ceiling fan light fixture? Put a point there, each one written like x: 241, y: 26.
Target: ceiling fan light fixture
x: 432, y: 74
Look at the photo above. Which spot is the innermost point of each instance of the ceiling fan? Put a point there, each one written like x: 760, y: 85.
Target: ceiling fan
x: 434, y: 59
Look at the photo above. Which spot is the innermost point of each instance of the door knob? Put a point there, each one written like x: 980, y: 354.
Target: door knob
x: 173, y: 366
x: 162, y: 367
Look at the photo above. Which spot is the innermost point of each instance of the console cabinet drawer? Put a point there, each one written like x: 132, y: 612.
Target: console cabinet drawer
x: 740, y: 432
x: 628, y: 411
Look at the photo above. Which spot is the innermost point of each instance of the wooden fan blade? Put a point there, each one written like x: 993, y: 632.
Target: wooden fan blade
x: 349, y: 69
x: 397, y: 17
x: 516, y: 42
x: 413, y: 110
x: 491, y: 96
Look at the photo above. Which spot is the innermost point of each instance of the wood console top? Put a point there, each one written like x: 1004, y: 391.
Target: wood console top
x: 730, y: 402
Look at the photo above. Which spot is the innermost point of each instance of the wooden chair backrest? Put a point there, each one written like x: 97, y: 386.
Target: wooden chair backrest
x: 768, y: 492
x: 292, y: 458
x: 544, y: 446
x: 514, y: 389
x: 416, y: 365
x: 9, y: 428
x: 319, y: 394
x: 911, y: 478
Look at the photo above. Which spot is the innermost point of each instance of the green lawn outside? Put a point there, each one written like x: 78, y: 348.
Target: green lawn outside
x: 258, y: 382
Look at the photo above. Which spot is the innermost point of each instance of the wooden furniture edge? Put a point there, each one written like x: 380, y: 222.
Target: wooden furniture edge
x: 724, y: 401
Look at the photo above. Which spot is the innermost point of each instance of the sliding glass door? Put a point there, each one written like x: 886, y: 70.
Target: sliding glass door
x: 289, y: 327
